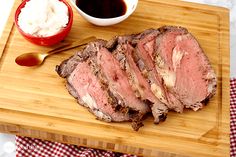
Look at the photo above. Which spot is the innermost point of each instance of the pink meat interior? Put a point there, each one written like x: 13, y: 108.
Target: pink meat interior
x: 191, y: 84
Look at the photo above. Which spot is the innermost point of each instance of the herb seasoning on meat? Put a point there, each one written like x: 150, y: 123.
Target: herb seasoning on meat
x: 102, y: 8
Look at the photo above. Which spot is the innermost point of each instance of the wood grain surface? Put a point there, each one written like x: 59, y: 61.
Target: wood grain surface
x: 34, y: 101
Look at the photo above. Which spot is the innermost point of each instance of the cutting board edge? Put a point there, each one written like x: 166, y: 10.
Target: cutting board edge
x: 50, y: 130
x: 10, y: 26
x: 194, y: 5
x: 225, y: 48
x: 25, y: 131
x: 52, y: 137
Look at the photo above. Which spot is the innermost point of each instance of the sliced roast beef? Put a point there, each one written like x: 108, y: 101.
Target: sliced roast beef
x: 128, y: 76
x: 184, y: 67
x: 118, y: 80
x: 98, y: 83
x: 124, y: 54
x: 83, y: 84
x: 144, y: 50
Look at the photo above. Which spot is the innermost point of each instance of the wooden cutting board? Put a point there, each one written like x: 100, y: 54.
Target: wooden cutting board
x: 34, y: 101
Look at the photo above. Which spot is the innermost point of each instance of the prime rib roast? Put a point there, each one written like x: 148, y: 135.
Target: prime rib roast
x: 129, y: 76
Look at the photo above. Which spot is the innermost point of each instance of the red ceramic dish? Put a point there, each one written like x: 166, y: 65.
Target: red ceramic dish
x: 50, y: 40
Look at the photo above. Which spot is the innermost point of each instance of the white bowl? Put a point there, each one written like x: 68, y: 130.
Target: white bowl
x: 130, y: 4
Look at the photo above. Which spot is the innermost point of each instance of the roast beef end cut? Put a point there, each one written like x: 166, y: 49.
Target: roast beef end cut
x: 190, y: 77
x: 68, y: 65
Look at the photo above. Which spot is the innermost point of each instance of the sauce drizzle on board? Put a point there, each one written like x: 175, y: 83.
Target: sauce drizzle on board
x: 102, y: 8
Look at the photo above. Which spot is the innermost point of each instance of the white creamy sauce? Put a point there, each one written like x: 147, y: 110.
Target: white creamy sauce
x: 43, y: 17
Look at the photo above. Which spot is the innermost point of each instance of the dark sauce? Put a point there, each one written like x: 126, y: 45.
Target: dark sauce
x: 102, y: 8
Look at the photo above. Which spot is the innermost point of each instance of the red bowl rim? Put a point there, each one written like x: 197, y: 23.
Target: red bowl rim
x: 69, y: 24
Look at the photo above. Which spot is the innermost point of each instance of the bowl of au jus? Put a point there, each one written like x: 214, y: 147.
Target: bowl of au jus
x: 105, y: 12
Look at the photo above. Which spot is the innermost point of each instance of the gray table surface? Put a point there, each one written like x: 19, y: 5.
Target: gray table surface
x: 7, y: 142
